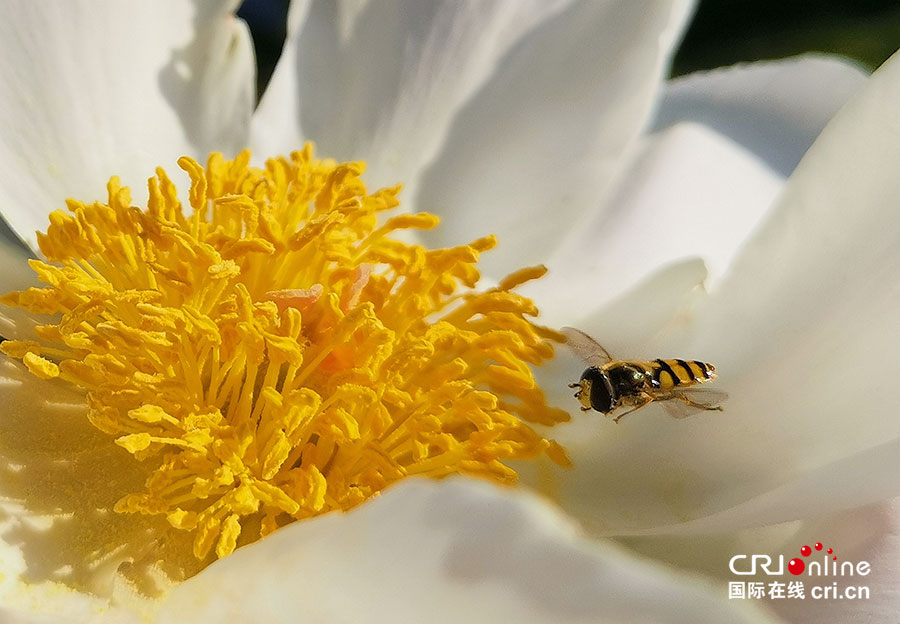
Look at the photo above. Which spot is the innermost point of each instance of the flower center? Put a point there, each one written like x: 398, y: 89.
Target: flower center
x: 277, y: 354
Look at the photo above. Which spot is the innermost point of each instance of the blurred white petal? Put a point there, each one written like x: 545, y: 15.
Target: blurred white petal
x: 382, y: 81
x: 774, y: 109
x: 97, y: 88
x: 59, y: 606
x: 814, y: 295
x: 839, y: 481
x: 691, y: 192
x: 540, y: 145
x: 634, y: 321
x: 458, y: 551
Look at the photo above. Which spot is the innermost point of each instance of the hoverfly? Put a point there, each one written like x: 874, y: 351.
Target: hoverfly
x: 608, y: 384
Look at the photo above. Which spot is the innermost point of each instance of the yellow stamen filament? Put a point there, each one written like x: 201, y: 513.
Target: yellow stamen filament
x: 276, y: 354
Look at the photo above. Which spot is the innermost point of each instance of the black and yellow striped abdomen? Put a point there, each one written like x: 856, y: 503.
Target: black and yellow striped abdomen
x: 669, y: 374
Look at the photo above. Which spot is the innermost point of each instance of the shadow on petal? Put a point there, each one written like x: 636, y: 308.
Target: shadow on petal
x: 61, y: 478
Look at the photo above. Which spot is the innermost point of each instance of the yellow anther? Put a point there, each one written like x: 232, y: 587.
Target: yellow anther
x: 39, y: 367
x: 230, y: 532
x: 19, y: 348
x: 135, y: 442
x: 420, y: 221
x: 181, y: 519
x: 148, y: 413
x: 521, y: 276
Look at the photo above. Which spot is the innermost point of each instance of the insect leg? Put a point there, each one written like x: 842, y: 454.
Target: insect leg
x: 702, y: 406
x: 645, y: 400
x: 576, y: 385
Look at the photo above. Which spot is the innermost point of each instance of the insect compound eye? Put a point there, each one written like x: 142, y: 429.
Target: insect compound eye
x: 601, y: 390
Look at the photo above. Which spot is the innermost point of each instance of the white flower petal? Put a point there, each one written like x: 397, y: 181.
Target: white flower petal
x: 25, y: 599
x: 460, y: 551
x: 382, y: 81
x: 634, y: 321
x: 815, y: 295
x: 58, y: 472
x: 15, y: 323
x: 549, y: 132
x: 216, y: 102
x: 775, y: 109
x: 878, y: 467
x: 804, y: 333
x: 93, y: 89
x: 691, y: 192
x: 58, y: 605
x: 695, y: 189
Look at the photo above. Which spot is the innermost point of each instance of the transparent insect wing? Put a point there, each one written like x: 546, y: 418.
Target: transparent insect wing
x: 693, y: 401
x: 585, y: 347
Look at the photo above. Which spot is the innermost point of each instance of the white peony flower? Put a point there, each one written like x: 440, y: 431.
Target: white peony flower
x: 523, y: 119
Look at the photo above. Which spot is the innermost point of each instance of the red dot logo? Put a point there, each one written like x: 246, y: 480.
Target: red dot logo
x: 796, y: 566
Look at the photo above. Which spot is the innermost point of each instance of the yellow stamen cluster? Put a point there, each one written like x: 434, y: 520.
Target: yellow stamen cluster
x: 277, y: 354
